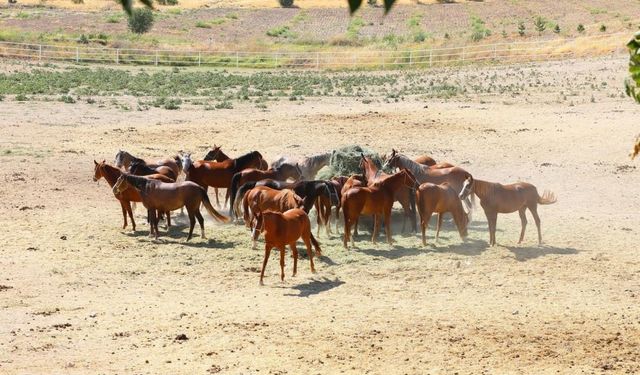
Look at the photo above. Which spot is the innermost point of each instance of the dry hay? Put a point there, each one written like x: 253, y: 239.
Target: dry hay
x: 345, y: 161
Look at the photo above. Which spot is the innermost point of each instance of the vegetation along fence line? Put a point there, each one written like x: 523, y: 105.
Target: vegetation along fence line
x: 499, y: 52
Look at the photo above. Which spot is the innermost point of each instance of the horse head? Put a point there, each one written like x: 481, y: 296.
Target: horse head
x: 119, y: 160
x: 97, y: 170
x: 213, y: 153
x: 392, y: 161
x: 186, y: 162
x: 467, y: 187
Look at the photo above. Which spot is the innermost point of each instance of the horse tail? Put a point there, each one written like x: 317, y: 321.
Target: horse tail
x: 239, y: 195
x: 412, y: 205
x: 245, y: 210
x: 316, y: 244
x: 418, y: 200
x: 234, y: 190
x: 212, y: 211
x: 547, y: 198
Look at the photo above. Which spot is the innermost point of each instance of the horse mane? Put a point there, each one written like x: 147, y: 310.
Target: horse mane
x: 289, y: 199
x: 140, y: 164
x: 313, y: 160
x: 242, y: 160
x: 484, y: 189
x: 416, y: 169
x: 140, y: 183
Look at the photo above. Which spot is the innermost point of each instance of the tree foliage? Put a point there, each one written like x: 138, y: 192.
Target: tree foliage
x: 632, y: 83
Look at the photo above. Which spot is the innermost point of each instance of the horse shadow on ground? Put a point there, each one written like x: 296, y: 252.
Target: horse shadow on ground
x: 470, y: 247
x: 314, y: 287
x: 176, y: 237
x: 396, y: 252
x: 525, y: 253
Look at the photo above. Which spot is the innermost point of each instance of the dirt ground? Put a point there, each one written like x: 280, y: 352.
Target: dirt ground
x: 80, y: 295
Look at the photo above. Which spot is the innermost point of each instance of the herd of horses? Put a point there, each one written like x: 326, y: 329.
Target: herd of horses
x: 275, y: 199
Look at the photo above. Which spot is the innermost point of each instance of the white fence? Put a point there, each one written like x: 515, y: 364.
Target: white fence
x: 501, y: 52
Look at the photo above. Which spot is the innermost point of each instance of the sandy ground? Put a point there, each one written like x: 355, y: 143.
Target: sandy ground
x: 80, y: 295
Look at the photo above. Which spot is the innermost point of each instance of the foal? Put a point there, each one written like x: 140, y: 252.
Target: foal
x: 432, y: 198
x: 497, y: 198
x: 282, y: 229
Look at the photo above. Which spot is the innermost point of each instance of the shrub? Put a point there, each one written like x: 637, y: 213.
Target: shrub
x: 77, y: 1
x: 521, y: 28
x: 172, y: 104
x: 281, y: 31
x: 353, y: 30
x: 168, y: 2
x: 114, y: 18
x: 478, y: 29
x: 140, y: 20
x: 286, y: 3
x: 603, y: 28
x: 372, y: 3
x: 540, y: 24
x: 556, y: 29
x: 67, y: 99
x: 21, y: 98
x: 83, y: 39
x: 203, y: 25
x: 580, y: 28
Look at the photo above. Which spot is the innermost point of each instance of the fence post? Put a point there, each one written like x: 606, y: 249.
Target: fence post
x: 40, y: 52
x: 77, y: 54
x: 410, y: 58
x: 117, y: 56
x: 156, y: 58
x: 199, y: 58
x: 430, y: 57
x: 237, y: 60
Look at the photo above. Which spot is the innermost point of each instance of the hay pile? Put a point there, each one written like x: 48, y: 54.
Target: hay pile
x: 345, y: 161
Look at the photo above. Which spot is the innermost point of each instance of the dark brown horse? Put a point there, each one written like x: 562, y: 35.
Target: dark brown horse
x: 111, y: 174
x: 405, y: 196
x: 218, y: 174
x: 165, y: 197
x: 497, y: 198
x: 138, y: 167
x: 282, y: 229
x: 124, y: 160
x: 432, y: 198
x: 281, y: 173
x: 374, y: 200
x: 430, y: 162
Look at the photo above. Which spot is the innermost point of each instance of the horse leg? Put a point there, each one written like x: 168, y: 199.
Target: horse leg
x: 124, y: 213
x: 534, y: 211
x: 201, y: 222
x: 439, y: 225
x: 151, y: 214
x: 347, y: 228
x: 192, y: 222
x: 376, y: 228
x: 294, y: 255
x: 387, y: 226
x: 267, y: 252
x: 226, y: 198
x: 424, y: 223
x: 523, y: 220
x: 281, y: 248
x: 492, y: 218
x: 168, y: 214
x: 337, y: 218
x: 130, y: 211
x: 215, y: 191
x: 255, y: 233
x: 307, y: 243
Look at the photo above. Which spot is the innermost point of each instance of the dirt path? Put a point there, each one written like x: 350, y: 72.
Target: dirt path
x: 79, y: 295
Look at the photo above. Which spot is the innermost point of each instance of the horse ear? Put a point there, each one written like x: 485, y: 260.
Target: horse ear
x: 104, y: 161
x: 95, y: 162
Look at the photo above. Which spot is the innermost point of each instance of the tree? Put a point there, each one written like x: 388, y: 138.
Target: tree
x: 540, y: 24
x: 140, y: 20
x: 632, y: 83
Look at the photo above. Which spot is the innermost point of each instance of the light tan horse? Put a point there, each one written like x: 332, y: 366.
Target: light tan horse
x: 164, y: 197
x: 497, y: 198
x: 432, y: 198
x: 284, y: 228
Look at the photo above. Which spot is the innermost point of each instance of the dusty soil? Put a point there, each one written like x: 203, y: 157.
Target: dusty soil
x: 80, y: 295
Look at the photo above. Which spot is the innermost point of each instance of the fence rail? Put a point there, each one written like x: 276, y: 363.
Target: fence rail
x: 501, y: 52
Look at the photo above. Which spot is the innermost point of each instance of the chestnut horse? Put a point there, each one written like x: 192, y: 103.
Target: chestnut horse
x: 374, y: 200
x: 497, y: 198
x: 138, y: 167
x: 164, y: 197
x: 215, y: 154
x: 405, y: 196
x: 264, y: 198
x: 218, y: 174
x: 252, y: 174
x: 282, y: 229
x: 455, y: 176
x: 432, y: 198
x: 430, y: 162
x: 111, y: 174
x: 124, y: 160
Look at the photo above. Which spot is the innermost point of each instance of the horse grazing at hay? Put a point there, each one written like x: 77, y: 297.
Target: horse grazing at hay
x: 405, y: 196
x: 216, y: 154
x: 139, y: 167
x: 111, y: 174
x: 264, y: 198
x: 252, y: 175
x: 124, y: 160
x: 165, y: 197
x: 218, y: 174
x: 374, y: 200
x: 432, y: 198
x: 309, y: 166
x: 497, y: 198
x: 282, y: 229
x: 454, y: 176
x: 309, y: 191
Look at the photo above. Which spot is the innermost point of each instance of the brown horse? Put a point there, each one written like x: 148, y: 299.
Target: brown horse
x: 124, y: 160
x: 282, y: 229
x: 432, y: 198
x: 454, y: 176
x: 497, y: 198
x: 218, y: 174
x: 374, y: 200
x: 138, y: 167
x: 430, y: 162
x: 165, y: 197
x: 111, y: 174
x: 262, y: 198
x: 281, y: 173
x: 405, y: 196
x: 216, y: 154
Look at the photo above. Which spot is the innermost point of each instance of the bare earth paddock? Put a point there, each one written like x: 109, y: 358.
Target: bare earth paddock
x: 79, y: 295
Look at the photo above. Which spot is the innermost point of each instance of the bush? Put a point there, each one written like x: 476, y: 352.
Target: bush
x: 67, y: 99
x: 556, y: 29
x: 203, y: 25
x: 521, y: 28
x: 540, y: 24
x: 83, y: 39
x: 141, y: 20
x: 603, y: 28
x: 479, y: 30
x: 168, y: 2
x: 372, y: 3
x: 580, y: 28
x: 286, y: 3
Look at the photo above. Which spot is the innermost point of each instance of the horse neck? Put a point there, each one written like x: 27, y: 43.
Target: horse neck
x: 482, y: 188
x: 371, y: 171
x: 111, y: 174
x: 244, y: 160
x: 316, y: 162
x: 222, y: 156
x: 411, y: 165
x: 140, y: 183
x: 394, y: 181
